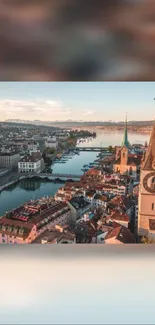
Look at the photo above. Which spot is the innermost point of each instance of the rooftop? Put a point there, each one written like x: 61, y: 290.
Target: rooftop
x: 78, y: 202
x: 34, y: 157
x: 54, y: 235
x: 121, y: 201
x: 122, y: 234
x: 120, y: 216
x: 32, y: 213
x: 132, y: 161
x: 9, y: 154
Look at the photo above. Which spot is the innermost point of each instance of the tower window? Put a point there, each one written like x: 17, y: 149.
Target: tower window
x: 152, y: 206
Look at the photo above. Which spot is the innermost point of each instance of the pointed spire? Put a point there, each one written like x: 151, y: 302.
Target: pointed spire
x: 150, y: 152
x: 125, y: 142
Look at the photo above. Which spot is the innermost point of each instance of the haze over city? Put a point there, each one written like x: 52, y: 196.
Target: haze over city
x: 93, y: 101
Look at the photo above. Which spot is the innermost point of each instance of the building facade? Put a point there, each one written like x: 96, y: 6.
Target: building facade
x: 9, y: 159
x: 33, y: 163
x: 146, y: 211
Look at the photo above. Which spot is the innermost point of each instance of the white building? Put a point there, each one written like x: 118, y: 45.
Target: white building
x: 31, y: 163
x: 51, y: 143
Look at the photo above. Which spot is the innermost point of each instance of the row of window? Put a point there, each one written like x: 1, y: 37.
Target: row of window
x: 3, y: 240
x: 23, y: 164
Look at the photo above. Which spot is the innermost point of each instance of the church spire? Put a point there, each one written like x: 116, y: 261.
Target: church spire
x: 125, y: 142
x: 149, y: 161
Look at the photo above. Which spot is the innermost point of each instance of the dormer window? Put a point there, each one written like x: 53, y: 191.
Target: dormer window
x: 15, y: 230
x: 21, y: 231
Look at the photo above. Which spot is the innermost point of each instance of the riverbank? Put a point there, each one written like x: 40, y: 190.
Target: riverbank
x: 131, y: 129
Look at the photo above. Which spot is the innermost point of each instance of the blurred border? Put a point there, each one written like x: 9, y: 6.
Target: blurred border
x: 77, y: 40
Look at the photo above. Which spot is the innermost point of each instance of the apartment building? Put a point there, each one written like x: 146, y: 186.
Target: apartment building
x: 9, y: 159
x: 24, y: 224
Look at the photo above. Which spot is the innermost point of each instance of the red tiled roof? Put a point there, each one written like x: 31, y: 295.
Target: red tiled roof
x: 113, y: 233
x: 122, y: 234
x: 120, y: 216
x: 16, y: 223
x: 35, y: 219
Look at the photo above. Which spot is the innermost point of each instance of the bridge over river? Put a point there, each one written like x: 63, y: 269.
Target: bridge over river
x: 52, y: 176
x: 98, y: 149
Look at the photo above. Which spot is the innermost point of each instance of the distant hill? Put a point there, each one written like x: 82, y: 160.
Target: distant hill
x: 133, y: 125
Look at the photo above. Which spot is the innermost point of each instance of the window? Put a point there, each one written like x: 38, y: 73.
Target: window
x: 152, y: 206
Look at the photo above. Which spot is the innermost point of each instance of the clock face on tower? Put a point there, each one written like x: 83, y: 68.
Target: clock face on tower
x: 149, y: 182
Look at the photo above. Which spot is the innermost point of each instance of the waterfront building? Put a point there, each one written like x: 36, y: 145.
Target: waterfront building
x: 31, y: 163
x: 146, y: 213
x: 24, y: 224
x: 127, y: 163
x: 9, y: 159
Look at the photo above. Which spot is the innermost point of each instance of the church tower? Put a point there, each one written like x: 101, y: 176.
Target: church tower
x: 146, y: 212
x: 125, y: 142
x: 124, y: 150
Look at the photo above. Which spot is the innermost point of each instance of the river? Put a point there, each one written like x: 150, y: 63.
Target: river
x: 31, y: 189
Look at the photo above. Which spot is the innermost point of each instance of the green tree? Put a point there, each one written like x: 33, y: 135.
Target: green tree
x: 51, y: 150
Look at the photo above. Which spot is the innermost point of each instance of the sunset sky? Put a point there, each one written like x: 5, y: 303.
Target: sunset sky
x: 89, y: 101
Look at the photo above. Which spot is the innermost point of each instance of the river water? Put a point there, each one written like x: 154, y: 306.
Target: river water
x: 26, y: 190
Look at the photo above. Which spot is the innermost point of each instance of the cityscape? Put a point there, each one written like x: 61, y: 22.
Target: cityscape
x: 62, y: 182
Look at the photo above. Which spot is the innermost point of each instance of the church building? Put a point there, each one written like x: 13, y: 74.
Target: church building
x: 126, y: 163
x: 146, y: 213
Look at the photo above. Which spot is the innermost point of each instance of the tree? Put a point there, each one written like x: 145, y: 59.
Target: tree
x: 50, y: 150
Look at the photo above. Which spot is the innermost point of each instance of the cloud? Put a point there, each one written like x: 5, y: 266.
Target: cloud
x: 33, y: 109
x: 88, y: 112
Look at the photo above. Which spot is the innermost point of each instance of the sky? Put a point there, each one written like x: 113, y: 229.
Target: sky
x: 87, y: 101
